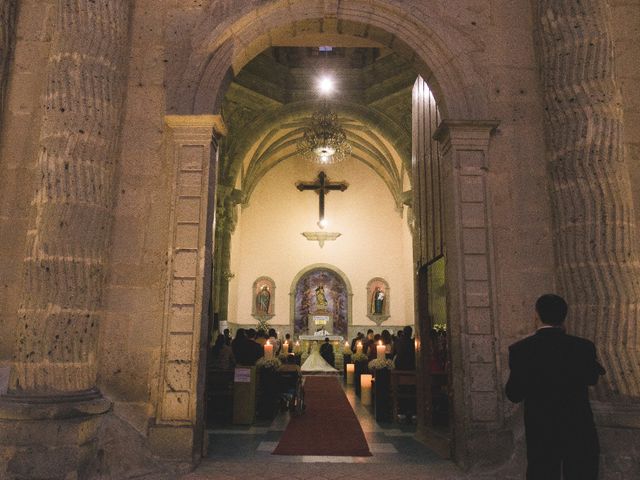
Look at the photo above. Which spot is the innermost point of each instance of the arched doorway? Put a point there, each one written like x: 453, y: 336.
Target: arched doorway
x: 219, y: 53
x: 306, y: 301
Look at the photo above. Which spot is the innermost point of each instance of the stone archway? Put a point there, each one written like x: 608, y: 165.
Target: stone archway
x: 219, y: 50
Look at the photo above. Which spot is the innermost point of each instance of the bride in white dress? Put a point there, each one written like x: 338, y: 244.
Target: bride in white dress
x: 315, y: 362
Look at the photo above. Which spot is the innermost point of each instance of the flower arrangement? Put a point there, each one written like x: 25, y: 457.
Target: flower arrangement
x: 381, y: 363
x: 439, y: 327
x: 263, y: 325
x: 359, y: 357
x: 269, y: 363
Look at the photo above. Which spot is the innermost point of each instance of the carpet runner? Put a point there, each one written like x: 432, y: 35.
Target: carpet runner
x: 328, y: 426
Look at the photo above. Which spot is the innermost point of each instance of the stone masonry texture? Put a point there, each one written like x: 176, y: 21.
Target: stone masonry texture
x: 595, y: 231
x: 66, y: 249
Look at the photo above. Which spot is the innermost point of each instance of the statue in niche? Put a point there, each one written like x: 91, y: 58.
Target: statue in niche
x: 263, y: 300
x: 321, y: 299
x: 377, y: 301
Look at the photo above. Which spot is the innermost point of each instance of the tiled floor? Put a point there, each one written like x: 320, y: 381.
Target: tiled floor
x: 245, y: 452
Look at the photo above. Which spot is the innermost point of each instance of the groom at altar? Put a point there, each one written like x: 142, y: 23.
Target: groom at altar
x: 326, y: 352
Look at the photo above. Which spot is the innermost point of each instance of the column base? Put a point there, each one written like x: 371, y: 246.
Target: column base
x: 618, y: 426
x: 50, y: 437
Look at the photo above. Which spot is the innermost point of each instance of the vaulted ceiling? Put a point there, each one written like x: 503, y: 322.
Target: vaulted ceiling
x: 271, y: 100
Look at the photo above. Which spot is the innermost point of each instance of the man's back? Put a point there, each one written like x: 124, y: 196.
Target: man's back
x: 551, y: 372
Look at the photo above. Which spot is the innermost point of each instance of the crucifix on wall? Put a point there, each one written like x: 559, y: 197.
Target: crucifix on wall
x: 322, y: 186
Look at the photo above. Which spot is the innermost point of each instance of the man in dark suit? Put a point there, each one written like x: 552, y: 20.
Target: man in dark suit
x: 326, y: 352
x: 551, y: 372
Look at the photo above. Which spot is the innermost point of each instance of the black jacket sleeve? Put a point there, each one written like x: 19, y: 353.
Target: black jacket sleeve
x: 515, y: 388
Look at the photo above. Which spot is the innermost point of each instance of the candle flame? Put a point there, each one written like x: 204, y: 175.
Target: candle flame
x: 346, y: 344
x: 359, y: 344
x: 268, y: 343
x: 380, y: 342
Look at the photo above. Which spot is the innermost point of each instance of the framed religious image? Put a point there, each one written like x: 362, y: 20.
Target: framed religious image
x: 263, y: 298
x: 378, y: 300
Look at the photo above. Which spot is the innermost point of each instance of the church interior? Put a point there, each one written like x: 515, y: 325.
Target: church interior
x: 242, y: 239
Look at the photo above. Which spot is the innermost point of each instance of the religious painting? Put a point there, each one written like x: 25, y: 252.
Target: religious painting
x: 263, y: 295
x: 321, y: 295
x: 378, y: 300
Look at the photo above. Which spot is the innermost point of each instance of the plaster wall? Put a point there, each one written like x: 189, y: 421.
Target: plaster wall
x: 374, y: 243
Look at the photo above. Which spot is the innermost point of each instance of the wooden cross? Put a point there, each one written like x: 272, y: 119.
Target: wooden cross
x: 322, y: 186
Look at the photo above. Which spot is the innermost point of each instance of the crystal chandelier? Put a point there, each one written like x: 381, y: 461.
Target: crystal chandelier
x: 323, y: 140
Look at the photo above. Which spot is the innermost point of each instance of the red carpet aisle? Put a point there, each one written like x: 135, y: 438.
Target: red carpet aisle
x: 328, y: 427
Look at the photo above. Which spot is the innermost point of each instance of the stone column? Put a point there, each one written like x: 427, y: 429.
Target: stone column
x: 594, y: 223
x: 477, y: 410
x: 226, y: 222
x: 7, y: 40
x: 192, y: 146
x: 50, y: 411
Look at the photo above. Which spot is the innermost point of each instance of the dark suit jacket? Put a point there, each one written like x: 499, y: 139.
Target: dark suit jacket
x: 405, y: 354
x: 247, y: 352
x: 551, y: 372
x: 326, y: 351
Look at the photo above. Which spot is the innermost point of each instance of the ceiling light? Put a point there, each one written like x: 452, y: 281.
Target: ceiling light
x: 326, y: 85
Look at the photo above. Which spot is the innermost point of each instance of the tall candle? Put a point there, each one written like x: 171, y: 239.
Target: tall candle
x: 365, y: 389
x: 351, y: 370
x: 285, y: 348
x: 380, y: 350
x: 268, y: 351
x: 359, y: 347
x: 347, y: 349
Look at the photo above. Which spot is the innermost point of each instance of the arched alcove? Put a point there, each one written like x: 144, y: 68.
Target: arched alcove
x: 335, y: 287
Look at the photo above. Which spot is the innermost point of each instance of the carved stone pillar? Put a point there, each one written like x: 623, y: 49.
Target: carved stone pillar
x: 477, y: 411
x: 192, y: 143
x: 7, y: 40
x: 225, y: 226
x: 50, y: 415
x: 595, y: 233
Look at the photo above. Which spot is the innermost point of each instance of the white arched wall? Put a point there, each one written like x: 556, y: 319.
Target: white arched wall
x: 375, y: 241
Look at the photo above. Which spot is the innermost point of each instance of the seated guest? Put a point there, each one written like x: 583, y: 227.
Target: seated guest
x: 227, y: 336
x: 261, y: 338
x: 368, y: 341
x: 326, y: 352
x: 241, y: 336
x: 249, y: 351
x: 273, y: 339
x: 221, y: 357
x: 405, y: 350
x: 387, y: 341
x: 358, y: 338
x: 372, y: 352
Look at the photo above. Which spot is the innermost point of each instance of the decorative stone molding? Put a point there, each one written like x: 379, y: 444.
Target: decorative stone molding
x: 470, y: 279
x: 321, y: 237
x: 595, y: 235
x: 192, y: 150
